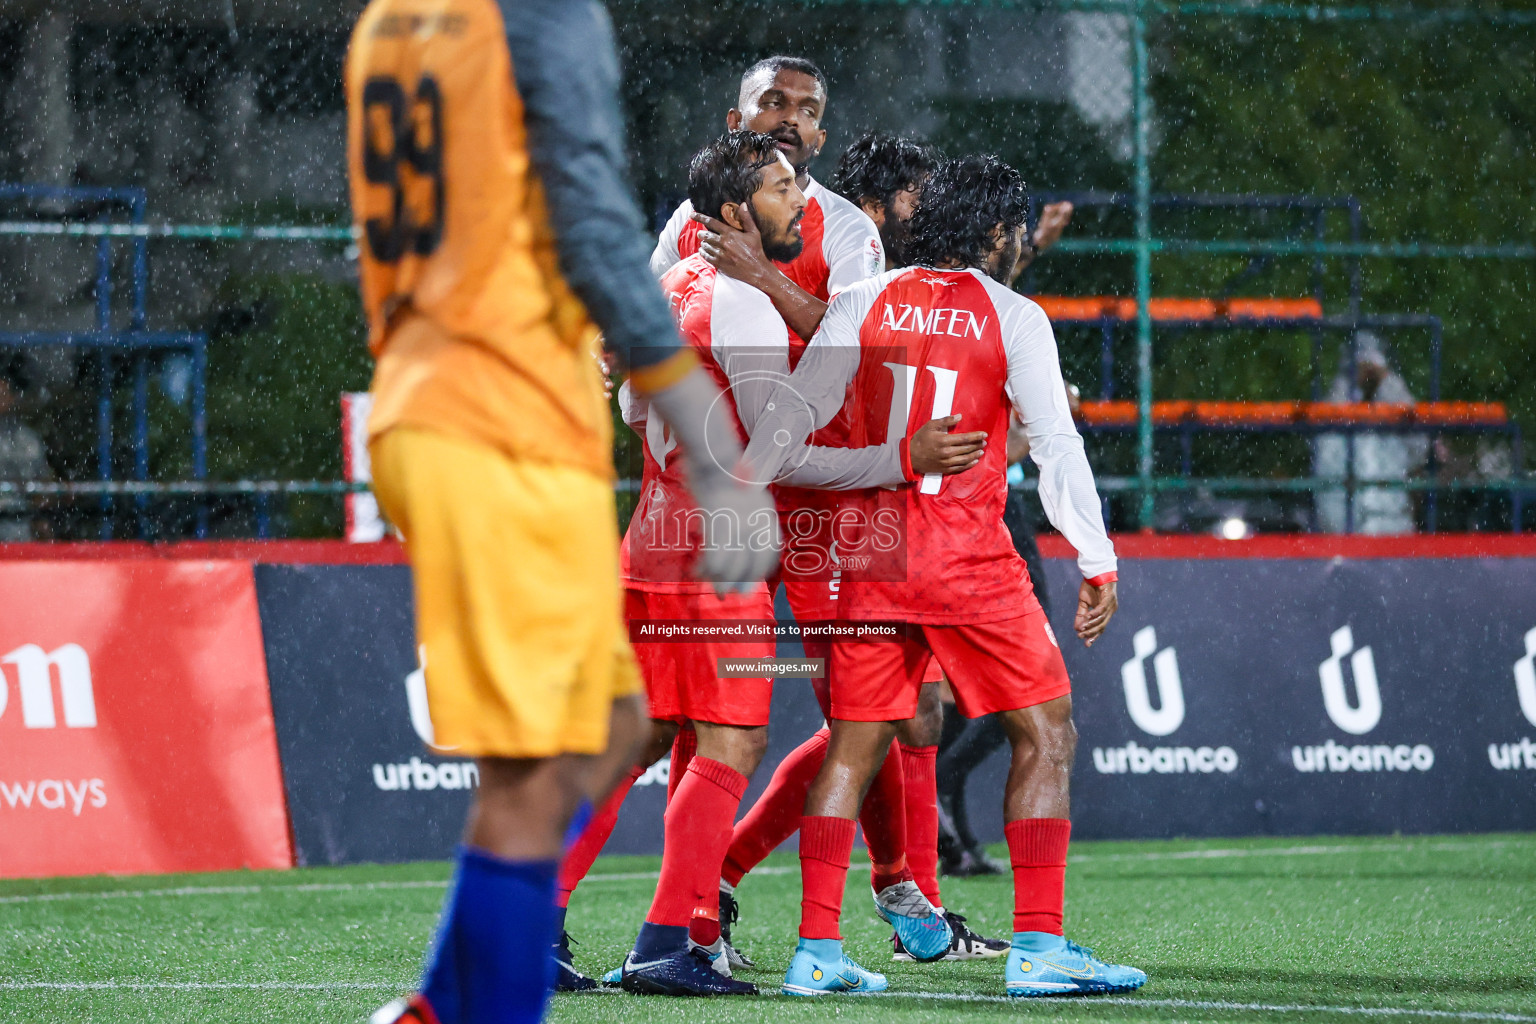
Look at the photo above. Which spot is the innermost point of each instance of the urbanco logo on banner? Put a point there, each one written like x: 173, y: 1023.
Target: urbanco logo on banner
x: 1361, y: 717
x: 1162, y: 720
x: 1356, y: 717
x: 1505, y: 756
x: 1169, y: 714
x: 34, y: 670
x: 416, y: 773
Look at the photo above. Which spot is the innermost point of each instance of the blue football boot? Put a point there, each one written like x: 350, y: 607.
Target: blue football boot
x: 923, y: 931
x: 690, y: 973
x: 819, y: 968
x: 1067, y: 970
x: 613, y: 977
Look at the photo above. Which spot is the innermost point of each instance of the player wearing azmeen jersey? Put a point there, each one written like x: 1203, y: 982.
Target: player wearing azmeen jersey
x: 498, y: 235
x: 743, y: 343
x: 946, y: 336
x: 884, y: 174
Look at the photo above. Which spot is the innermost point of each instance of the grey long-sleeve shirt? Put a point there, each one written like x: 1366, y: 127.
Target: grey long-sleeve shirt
x: 567, y: 71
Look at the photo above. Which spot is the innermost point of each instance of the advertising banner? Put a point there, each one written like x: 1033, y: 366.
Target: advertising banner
x: 1229, y: 697
x: 1301, y: 696
x: 349, y: 696
x: 135, y: 727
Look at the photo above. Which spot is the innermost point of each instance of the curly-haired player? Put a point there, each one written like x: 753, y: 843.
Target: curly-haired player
x: 948, y: 337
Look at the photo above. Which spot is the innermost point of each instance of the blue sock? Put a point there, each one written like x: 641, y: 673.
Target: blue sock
x: 490, y: 962
x: 579, y: 822
x: 828, y: 951
x: 658, y: 940
x: 1038, y: 942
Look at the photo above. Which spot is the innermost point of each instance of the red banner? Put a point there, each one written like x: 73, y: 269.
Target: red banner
x: 136, y: 727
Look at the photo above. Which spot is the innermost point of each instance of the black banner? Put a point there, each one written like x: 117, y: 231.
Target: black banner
x: 1229, y: 697
x: 1301, y: 696
x: 352, y: 727
x: 351, y: 717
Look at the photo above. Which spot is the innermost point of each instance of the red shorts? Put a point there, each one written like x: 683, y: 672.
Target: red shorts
x: 822, y: 687
x: 994, y: 666
x: 812, y: 600
x: 682, y: 679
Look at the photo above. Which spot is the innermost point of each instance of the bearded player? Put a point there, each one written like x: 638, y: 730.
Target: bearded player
x: 497, y: 235
x: 743, y: 343
x: 785, y: 98
x: 947, y: 335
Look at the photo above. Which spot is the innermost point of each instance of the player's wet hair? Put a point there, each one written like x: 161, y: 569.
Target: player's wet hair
x: 962, y: 204
x: 729, y: 170
x: 878, y: 166
x: 773, y: 65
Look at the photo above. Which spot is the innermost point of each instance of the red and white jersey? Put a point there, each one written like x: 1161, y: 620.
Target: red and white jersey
x: 742, y: 342
x: 904, y: 348
x: 842, y: 245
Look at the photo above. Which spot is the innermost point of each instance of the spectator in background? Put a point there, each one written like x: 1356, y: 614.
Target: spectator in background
x: 22, y: 454
x: 1378, y: 455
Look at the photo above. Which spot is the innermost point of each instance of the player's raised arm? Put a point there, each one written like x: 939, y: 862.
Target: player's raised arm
x: 1067, y: 490
x: 567, y: 74
x: 738, y: 252
x: 750, y: 347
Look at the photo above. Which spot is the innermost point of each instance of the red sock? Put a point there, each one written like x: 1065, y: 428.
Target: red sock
x: 578, y: 860
x: 776, y: 814
x: 698, y: 829
x: 922, y: 801
x: 1038, y: 849
x: 884, y: 817
x: 683, y: 749
x: 825, y: 846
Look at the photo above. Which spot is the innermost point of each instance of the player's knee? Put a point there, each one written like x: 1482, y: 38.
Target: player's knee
x: 754, y: 746
x: 658, y: 741
x: 1054, y: 734
x: 1059, y: 744
x: 926, y: 727
x: 626, y: 726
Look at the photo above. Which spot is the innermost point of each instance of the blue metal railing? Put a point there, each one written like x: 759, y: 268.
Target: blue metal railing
x: 135, y: 342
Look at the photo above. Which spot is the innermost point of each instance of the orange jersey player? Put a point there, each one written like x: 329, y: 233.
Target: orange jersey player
x: 498, y: 235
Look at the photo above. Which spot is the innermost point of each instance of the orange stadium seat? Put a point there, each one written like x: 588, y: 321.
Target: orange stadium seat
x: 1222, y: 414
x: 1280, y: 414
x: 1357, y: 413
x: 1461, y: 414
x: 1113, y: 307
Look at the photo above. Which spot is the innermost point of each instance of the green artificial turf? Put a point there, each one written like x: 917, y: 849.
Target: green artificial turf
x: 1227, y: 930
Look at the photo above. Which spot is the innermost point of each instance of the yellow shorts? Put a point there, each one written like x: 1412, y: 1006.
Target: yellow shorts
x: 518, y: 602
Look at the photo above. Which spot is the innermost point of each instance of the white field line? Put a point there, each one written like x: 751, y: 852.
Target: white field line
x: 953, y: 997
x: 1181, y: 1004
x: 199, y: 986
x: 312, y: 887
x: 1198, y: 1004
x: 221, y: 890
x: 640, y: 876
x: 1287, y: 851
